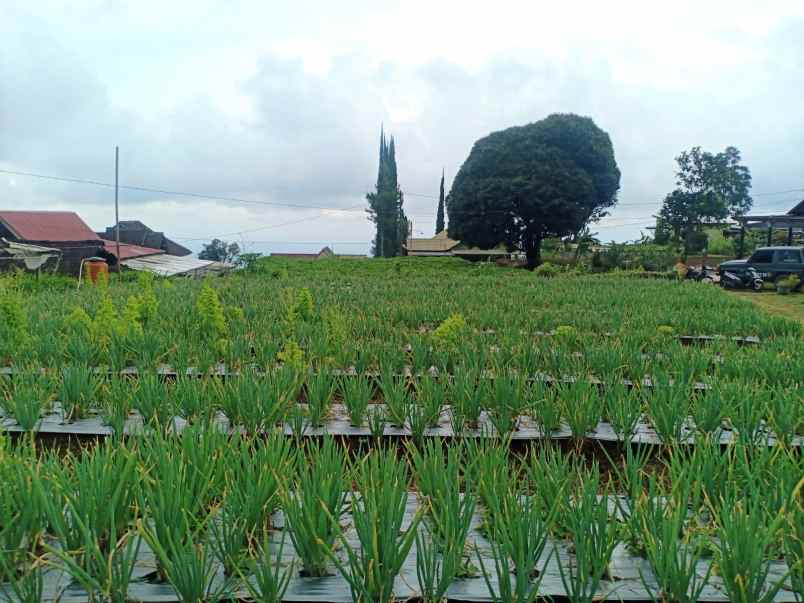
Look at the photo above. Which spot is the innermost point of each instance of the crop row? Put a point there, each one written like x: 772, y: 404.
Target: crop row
x: 374, y: 322
x: 209, y: 516
x: 465, y: 403
x: 778, y: 360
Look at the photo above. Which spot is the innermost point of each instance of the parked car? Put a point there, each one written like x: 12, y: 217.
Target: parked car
x: 770, y: 263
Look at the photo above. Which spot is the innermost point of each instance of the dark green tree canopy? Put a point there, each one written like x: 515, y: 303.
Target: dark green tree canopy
x: 521, y: 185
x: 709, y: 189
x: 219, y: 251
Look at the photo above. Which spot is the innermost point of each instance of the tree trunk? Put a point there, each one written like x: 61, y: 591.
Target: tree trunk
x: 533, y: 251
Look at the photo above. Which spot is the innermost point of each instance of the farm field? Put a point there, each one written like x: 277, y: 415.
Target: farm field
x: 371, y: 430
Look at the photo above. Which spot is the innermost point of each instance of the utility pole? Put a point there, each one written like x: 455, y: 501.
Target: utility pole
x: 116, y: 207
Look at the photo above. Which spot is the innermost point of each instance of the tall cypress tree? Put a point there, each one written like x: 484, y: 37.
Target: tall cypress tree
x: 440, y: 212
x: 385, y: 204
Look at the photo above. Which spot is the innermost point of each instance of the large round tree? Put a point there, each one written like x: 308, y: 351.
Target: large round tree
x: 524, y: 184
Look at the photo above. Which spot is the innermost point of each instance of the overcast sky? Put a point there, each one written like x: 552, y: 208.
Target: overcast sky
x: 282, y: 102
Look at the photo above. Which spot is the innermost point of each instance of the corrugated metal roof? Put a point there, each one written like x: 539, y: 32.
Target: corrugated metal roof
x: 47, y: 226
x: 172, y: 265
x: 439, y: 243
x: 128, y: 251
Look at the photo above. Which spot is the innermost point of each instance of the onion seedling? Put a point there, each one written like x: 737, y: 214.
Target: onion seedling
x: 378, y: 513
x: 396, y: 397
x: 79, y: 389
x: 116, y: 403
x: 440, y: 481
x: 793, y: 540
x: 188, y: 567
x: 22, y: 586
x: 744, y: 538
x: 90, y: 499
x: 193, y: 399
x: 151, y: 399
x: 581, y: 406
x: 377, y: 419
x: 22, y: 517
x: 320, y: 388
x: 546, y: 408
x: 747, y: 408
x: 103, y: 569
x: 318, y: 498
x: 786, y: 409
x: 467, y: 393
x: 668, y: 408
x: 549, y: 471
x: 431, y: 395
x: 517, y: 545
x: 270, y: 578
x: 594, y: 536
x: 507, y: 402
x: 176, y: 493
x: 623, y: 408
x: 673, y: 559
x: 255, y: 468
x: 28, y: 397
x: 356, y: 393
x: 707, y: 413
x: 229, y: 540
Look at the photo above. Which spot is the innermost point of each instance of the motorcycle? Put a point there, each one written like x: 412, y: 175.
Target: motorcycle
x: 705, y: 275
x: 749, y: 279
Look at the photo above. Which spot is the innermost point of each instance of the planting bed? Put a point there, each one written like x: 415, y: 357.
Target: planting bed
x: 646, y: 466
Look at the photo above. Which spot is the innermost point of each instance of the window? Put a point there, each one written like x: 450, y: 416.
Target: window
x: 762, y: 256
x: 788, y: 256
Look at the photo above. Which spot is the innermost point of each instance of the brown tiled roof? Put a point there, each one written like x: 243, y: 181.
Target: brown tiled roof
x: 47, y: 226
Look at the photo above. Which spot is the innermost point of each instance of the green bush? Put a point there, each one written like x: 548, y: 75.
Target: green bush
x: 547, y: 270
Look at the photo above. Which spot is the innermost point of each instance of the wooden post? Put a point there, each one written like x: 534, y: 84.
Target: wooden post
x: 789, y: 235
x: 770, y: 233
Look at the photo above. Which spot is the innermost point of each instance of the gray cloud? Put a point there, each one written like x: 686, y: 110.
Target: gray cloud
x: 310, y: 137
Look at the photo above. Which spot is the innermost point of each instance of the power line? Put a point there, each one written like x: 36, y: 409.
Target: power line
x: 273, y: 203
x: 170, y: 192
x: 259, y: 228
x: 320, y: 209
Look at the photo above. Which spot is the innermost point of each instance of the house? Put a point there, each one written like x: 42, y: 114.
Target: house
x: 792, y: 222
x: 442, y: 246
x: 63, y: 231
x: 325, y: 252
x: 134, y: 232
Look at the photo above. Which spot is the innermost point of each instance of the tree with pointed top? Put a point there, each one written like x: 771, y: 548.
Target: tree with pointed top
x: 440, y: 212
x: 385, y: 204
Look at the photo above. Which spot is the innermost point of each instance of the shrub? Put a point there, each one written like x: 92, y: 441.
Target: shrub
x: 788, y: 283
x: 14, y: 330
x: 451, y: 330
x: 547, y: 270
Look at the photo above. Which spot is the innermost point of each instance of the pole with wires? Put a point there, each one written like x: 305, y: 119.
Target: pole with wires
x: 116, y: 208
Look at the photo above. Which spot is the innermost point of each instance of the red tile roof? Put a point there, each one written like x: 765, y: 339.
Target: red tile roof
x: 128, y: 251
x: 47, y: 226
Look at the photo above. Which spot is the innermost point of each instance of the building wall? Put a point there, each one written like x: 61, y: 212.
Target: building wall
x: 72, y: 253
